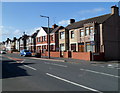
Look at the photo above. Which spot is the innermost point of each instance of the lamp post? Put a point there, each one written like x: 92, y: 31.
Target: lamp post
x: 48, y: 36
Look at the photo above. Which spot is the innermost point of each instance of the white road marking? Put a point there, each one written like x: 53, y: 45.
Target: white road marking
x: 100, y: 73
x: 117, y: 68
x: 55, y: 64
x: 20, y: 61
x: 102, y: 66
x: 46, y: 63
x: 30, y: 67
x: 111, y: 67
x: 48, y: 59
x: 91, y: 89
x: 60, y: 65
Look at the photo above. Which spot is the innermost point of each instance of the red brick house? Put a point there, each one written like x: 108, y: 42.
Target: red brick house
x: 42, y: 39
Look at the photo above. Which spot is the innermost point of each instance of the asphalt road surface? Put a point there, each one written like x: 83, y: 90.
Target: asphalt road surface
x: 33, y: 74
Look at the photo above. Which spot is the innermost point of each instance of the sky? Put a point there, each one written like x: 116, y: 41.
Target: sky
x: 19, y: 17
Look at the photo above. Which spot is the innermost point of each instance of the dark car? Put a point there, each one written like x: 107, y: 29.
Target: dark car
x: 3, y: 52
x: 25, y: 53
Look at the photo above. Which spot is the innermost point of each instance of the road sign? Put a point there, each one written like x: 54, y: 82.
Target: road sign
x: 92, y: 42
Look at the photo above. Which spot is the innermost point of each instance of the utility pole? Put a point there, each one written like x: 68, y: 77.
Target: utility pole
x: 48, y: 36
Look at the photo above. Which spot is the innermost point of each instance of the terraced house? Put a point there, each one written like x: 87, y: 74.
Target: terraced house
x: 42, y: 39
x: 31, y: 42
x: 8, y: 45
x: 23, y: 44
x: 98, y: 35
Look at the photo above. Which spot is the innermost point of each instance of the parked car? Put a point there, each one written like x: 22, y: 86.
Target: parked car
x: 3, y: 52
x: 25, y: 53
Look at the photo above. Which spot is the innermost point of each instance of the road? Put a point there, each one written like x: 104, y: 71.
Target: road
x: 32, y: 74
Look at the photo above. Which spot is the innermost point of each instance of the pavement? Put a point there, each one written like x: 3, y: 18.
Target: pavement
x: 36, y: 74
x: 78, y: 60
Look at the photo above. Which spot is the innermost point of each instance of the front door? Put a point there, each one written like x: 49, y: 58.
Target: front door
x: 81, y: 47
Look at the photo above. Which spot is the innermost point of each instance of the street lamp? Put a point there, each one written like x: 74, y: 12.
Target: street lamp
x: 48, y: 36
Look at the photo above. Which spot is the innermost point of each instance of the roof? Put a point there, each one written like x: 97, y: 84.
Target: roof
x: 46, y: 29
x: 56, y: 29
x: 35, y: 34
x: 98, y: 19
x: 24, y: 36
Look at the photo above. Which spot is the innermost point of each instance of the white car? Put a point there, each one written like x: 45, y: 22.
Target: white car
x: 3, y: 52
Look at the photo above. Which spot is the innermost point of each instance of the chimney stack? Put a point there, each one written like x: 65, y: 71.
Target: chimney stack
x: 72, y: 21
x: 114, y: 10
x: 54, y: 26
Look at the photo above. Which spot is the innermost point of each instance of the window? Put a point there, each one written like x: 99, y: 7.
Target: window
x: 88, y: 47
x: 52, y: 38
x: 86, y: 31
x: 51, y: 47
x: 44, y: 39
x: 91, y: 29
x: 81, y: 33
x: 72, y: 34
x: 61, y: 47
x: 38, y: 39
x: 32, y: 40
x: 62, y: 35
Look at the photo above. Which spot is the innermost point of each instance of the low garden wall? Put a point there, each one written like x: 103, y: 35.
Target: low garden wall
x: 82, y: 55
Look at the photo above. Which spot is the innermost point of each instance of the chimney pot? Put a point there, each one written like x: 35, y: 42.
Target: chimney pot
x: 54, y: 26
x: 72, y: 21
x: 115, y: 10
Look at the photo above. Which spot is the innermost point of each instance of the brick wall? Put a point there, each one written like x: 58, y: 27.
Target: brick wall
x: 54, y: 54
x: 16, y: 52
x: 67, y: 54
x: 44, y: 54
x: 9, y: 52
x: 82, y: 55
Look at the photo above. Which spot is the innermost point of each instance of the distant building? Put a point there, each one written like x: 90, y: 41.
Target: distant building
x: 8, y: 44
x: 31, y: 42
x: 13, y: 44
x: 23, y: 40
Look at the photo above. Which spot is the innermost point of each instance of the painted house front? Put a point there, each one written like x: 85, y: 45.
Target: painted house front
x: 98, y: 35
x: 23, y: 42
x: 8, y: 44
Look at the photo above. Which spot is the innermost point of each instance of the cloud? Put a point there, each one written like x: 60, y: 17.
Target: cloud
x: 17, y: 31
x: 31, y: 31
x: 95, y: 10
x: 83, y: 18
x: 64, y: 22
x: 1, y: 27
x: 9, y: 32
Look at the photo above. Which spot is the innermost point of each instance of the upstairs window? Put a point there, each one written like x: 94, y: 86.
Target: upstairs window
x: 91, y: 29
x: 72, y: 34
x: 44, y: 39
x: 62, y: 35
x: 52, y: 38
x: 86, y: 31
x: 38, y: 39
x: 81, y: 33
